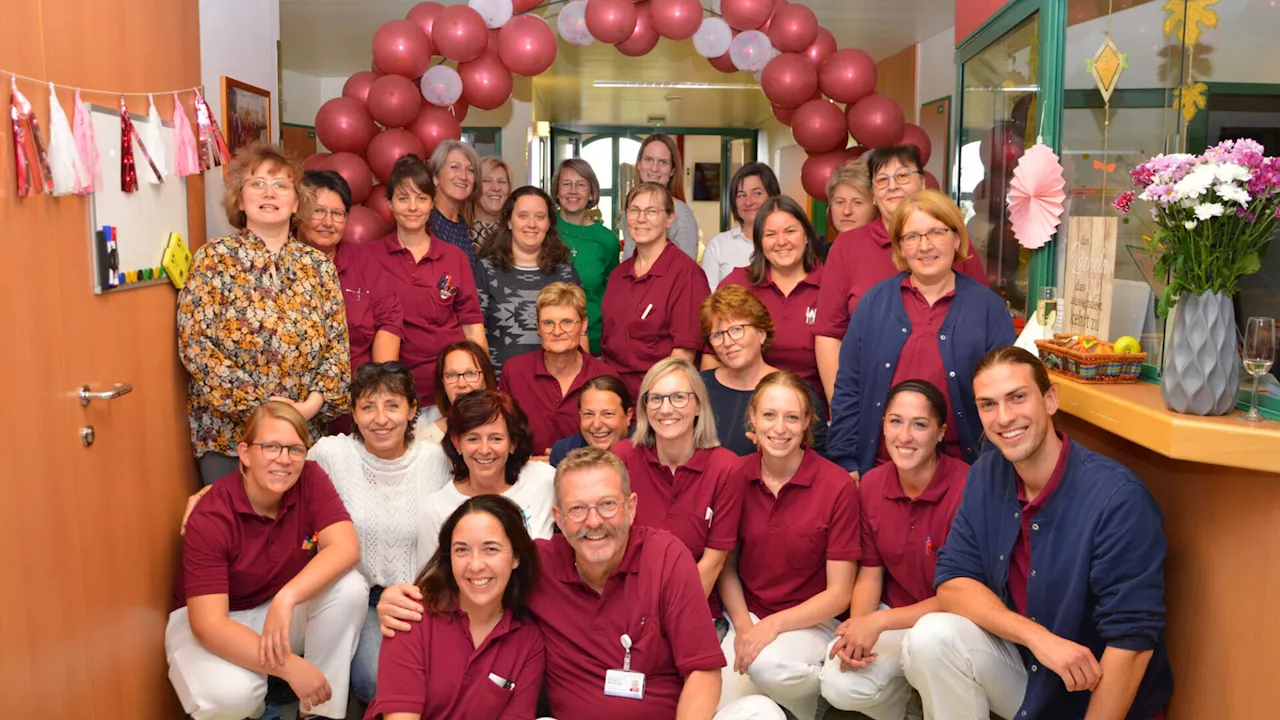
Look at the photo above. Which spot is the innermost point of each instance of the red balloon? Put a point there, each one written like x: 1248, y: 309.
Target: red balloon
x: 821, y: 49
x: 433, y: 125
x: 401, y: 48
x: 357, y: 86
x: 492, y: 47
x: 676, y: 19
x: 394, y: 101
x: 344, y: 125
x: 645, y: 37
x: 817, y: 170
x: 847, y: 76
x: 526, y: 45
x: 875, y: 120
x: 789, y: 80
x: 931, y: 182
x: 318, y: 161
x: 819, y: 127
x: 913, y: 134
x: 390, y: 146
x: 724, y: 64
x: 746, y: 14
x: 486, y: 82
x: 1000, y: 148
x: 793, y: 28
x: 378, y: 202
x: 784, y: 115
x: 365, y: 226
x: 460, y: 110
x: 424, y: 15
x: 459, y: 33
x: 353, y: 169
x: 526, y: 5
x: 611, y: 21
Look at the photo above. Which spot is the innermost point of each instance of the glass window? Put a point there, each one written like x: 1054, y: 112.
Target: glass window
x: 486, y: 141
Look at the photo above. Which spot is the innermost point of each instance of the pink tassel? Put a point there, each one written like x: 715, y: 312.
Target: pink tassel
x: 187, y: 159
x: 87, y: 146
x: 210, y: 136
x: 26, y: 127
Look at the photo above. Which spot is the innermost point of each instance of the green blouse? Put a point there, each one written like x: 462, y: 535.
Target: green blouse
x: 595, y: 251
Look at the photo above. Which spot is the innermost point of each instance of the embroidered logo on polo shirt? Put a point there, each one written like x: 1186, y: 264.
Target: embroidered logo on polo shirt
x: 810, y: 315
x: 309, y: 543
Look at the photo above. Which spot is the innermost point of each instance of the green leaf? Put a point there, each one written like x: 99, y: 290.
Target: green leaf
x: 1248, y: 265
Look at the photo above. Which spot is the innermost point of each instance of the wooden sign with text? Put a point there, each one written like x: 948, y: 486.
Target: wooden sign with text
x: 1090, y: 274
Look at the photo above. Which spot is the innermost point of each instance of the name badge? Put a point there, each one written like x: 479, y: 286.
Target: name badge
x: 624, y: 684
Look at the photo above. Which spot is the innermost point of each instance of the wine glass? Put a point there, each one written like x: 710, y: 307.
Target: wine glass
x: 1259, y: 353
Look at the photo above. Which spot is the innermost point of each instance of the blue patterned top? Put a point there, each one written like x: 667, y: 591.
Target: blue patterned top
x: 457, y: 234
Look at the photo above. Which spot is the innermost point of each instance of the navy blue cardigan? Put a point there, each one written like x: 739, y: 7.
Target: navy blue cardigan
x: 1099, y: 547
x: 976, y: 322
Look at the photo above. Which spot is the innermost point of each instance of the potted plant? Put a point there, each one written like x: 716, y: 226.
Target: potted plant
x: 1215, y: 214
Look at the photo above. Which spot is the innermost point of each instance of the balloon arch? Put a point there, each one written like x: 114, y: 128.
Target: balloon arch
x: 409, y: 102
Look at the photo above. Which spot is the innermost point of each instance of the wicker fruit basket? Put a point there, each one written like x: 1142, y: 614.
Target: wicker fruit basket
x: 1067, y: 355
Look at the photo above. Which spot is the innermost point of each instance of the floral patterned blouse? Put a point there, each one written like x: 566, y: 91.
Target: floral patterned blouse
x: 252, y: 325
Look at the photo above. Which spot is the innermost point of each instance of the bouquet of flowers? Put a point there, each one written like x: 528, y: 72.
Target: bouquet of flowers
x: 1216, y: 213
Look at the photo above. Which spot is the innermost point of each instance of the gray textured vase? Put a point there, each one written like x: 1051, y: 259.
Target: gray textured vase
x: 1201, y: 365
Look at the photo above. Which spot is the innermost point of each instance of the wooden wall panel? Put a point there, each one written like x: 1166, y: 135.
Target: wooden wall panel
x: 896, y: 77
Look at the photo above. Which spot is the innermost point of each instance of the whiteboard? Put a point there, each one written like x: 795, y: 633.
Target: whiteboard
x: 144, y: 218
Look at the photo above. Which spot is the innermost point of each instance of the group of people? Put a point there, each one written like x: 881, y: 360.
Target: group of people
x: 498, y: 464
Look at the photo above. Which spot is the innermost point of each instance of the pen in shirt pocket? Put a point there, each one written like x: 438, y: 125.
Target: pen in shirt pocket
x: 502, y: 682
x: 928, y: 545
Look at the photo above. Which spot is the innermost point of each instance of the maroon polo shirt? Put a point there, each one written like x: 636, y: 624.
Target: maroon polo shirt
x: 370, y: 303
x: 644, y: 318
x: 434, y: 670
x: 438, y: 295
x: 553, y: 415
x: 793, y: 316
x: 921, y: 358
x: 904, y: 535
x: 655, y: 597
x: 1020, y: 558
x: 786, y: 541
x: 858, y: 259
x: 231, y: 550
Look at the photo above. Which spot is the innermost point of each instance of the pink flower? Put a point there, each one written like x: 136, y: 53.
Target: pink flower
x: 1125, y: 201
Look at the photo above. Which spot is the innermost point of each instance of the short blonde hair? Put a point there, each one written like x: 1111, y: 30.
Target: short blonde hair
x: 659, y: 191
x: 276, y: 410
x: 791, y: 381
x: 562, y: 294
x: 250, y: 158
x: 940, y: 208
x: 735, y: 301
x: 704, y: 426
x: 589, y: 458
x: 853, y: 173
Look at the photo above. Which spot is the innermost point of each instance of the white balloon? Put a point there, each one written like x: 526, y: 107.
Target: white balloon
x: 496, y: 13
x: 572, y: 23
x: 441, y: 85
x: 713, y: 37
x: 750, y: 51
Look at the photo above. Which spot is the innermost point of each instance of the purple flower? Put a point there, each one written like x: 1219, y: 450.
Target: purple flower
x: 1125, y: 201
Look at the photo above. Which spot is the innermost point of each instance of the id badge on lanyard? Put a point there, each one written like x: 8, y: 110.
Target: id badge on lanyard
x: 624, y: 683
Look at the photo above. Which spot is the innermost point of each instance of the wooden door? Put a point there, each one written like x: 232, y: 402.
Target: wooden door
x: 88, y: 539
x: 299, y: 140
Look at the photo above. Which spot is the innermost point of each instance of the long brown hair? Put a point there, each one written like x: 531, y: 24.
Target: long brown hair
x: 676, y: 184
x: 783, y: 204
x: 551, y: 255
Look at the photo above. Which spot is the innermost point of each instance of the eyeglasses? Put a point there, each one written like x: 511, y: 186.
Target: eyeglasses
x: 934, y: 236
x: 580, y: 185
x: 649, y: 214
x: 470, y: 376
x: 678, y: 400
x: 735, y: 332
x: 605, y: 508
x: 901, y: 176
x: 391, y: 366
x: 271, y: 450
x: 260, y: 185
x: 319, y: 214
x: 566, y: 325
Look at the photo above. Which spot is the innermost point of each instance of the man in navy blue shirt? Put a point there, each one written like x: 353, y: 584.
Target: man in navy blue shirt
x: 1052, y: 576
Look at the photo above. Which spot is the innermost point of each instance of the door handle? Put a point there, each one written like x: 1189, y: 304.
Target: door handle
x: 86, y: 396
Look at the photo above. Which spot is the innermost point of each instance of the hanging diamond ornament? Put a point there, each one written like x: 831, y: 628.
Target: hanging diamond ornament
x: 1106, y: 66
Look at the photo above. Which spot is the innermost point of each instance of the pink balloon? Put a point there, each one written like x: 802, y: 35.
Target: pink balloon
x: 875, y: 120
x: 394, y: 101
x: 746, y: 14
x: 365, y: 226
x: 486, y: 82
x: 378, y: 202
x: 344, y: 125
x: 401, y: 48
x: 675, y: 19
x: 848, y: 75
x: 357, y: 86
x: 611, y: 21
x: 460, y: 110
x: 821, y: 49
x: 913, y: 134
x: 434, y: 125
x: 390, y: 146
x: 931, y: 182
x: 784, y: 115
x: 459, y: 33
x: 724, y: 64
x: 817, y: 170
x: 818, y: 126
x: 526, y: 45
x: 353, y: 169
x: 492, y: 48
x: 793, y: 28
x: 789, y: 80
x: 424, y: 15
x: 645, y: 37
x: 318, y: 161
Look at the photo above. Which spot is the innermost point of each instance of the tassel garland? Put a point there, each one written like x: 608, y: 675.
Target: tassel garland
x: 211, y: 141
x: 68, y: 169
x: 86, y: 147
x: 26, y: 128
x: 155, y: 143
x: 186, y: 161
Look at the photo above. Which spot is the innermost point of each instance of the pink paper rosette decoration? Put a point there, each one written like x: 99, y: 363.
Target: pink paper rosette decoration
x: 1036, y: 196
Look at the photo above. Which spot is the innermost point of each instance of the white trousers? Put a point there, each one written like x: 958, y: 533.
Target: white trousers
x: 880, y: 690
x: 752, y: 707
x: 324, y: 630
x: 786, y: 671
x: 962, y: 671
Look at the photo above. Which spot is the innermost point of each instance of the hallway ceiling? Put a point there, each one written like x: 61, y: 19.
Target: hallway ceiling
x: 331, y: 38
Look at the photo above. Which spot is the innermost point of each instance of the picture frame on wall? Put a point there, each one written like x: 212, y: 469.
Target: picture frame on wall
x: 246, y: 113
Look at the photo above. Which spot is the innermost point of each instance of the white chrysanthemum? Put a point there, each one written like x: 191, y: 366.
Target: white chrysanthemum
x: 1229, y: 172
x: 1195, y: 184
x: 1204, y: 211
x: 1232, y: 193
x: 1190, y: 224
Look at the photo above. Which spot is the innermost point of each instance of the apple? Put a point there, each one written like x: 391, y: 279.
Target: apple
x: 1128, y: 345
